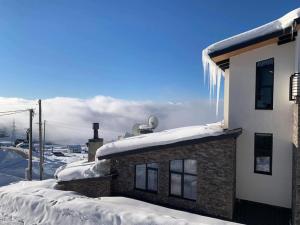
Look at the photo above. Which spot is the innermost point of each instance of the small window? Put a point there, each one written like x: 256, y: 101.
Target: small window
x: 183, y: 178
x: 146, y: 177
x: 263, y: 153
x: 264, y: 84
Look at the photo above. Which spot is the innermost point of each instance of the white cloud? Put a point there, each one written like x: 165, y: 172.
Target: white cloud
x: 69, y: 120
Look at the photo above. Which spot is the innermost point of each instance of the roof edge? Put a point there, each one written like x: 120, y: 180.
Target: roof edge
x: 228, y: 134
x: 254, y: 41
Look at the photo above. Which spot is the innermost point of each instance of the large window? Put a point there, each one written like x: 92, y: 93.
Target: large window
x: 183, y: 178
x: 263, y: 153
x: 146, y: 177
x: 264, y: 84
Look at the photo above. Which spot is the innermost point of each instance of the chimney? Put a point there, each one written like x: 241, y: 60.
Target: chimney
x: 94, y: 143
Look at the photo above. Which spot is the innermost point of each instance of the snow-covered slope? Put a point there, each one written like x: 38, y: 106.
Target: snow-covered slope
x: 160, y: 138
x: 37, y: 202
x: 12, y: 165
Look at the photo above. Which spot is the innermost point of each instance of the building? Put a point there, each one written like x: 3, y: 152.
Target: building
x: 253, y: 160
x: 74, y: 148
x: 259, y: 66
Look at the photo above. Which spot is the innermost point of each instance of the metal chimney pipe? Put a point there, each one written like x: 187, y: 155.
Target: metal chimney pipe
x: 96, y: 128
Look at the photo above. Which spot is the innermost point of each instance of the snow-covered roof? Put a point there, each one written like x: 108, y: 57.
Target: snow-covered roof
x: 269, y: 28
x: 159, y: 138
x: 82, y: 170
x: 265, y: 32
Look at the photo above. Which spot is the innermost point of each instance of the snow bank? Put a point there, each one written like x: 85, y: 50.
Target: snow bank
x: 37, y: 202
x: 12, y: 165
x: 160, y: 138
x: 215, y: 72
x: 83, y: 169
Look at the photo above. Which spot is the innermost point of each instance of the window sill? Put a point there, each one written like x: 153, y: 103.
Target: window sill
x: 147, y: 191
x: 182, y: 198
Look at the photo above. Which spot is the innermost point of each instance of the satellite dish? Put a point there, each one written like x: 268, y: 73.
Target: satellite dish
x: 136, y: 129
x: 153, y: 122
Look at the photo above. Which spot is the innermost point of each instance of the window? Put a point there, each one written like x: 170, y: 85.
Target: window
x: 264, y: 84
x: 263, y: 153
x: 146, y: 177
x: 183, y: 178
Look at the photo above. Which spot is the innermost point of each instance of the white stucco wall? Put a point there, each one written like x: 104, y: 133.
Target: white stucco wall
x: 275, y: 189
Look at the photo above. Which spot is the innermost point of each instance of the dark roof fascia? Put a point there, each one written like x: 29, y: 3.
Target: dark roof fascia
x: 228, y: 134
x: 107, y: 177
x: 252, y: 41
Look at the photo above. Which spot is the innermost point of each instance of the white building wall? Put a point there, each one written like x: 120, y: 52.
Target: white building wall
x: 275, y: 189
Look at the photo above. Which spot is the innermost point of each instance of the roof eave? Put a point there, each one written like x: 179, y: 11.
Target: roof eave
x: 227, y: 134
x: 260, y: 41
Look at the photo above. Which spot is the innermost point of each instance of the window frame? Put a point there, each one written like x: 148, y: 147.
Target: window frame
x: 256, y: 86
x: 271, y: 155
x: 146, y: 177
x: 181, y: 196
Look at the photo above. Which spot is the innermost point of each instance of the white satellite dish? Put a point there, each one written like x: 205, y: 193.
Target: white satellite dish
x: 153, y: 122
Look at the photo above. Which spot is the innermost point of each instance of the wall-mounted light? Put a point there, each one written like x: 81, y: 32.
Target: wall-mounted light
x: 295, y: 87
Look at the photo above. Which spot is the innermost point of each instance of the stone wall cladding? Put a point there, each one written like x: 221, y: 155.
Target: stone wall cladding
x: 95, y: 187
x: 296, y: 166
x: 216, y: 162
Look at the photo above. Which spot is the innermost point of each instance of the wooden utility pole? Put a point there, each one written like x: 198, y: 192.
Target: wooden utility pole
x: 40, y: 139
x: 29, y: 172
x: 44, y: 141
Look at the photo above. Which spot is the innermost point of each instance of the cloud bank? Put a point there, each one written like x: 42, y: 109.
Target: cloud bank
x: 69, y: 120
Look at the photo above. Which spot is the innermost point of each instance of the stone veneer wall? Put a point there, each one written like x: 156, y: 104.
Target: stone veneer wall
x: 216, y: 162
x: 296, y: 166
x: 92, y: 187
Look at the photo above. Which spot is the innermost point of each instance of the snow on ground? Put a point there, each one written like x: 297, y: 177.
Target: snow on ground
x: 12, y: 165
x: 83, y: 169
x: 37, y: 202
x: 160, y: 138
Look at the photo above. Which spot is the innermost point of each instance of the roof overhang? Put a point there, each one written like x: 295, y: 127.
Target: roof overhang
x: 278, y: 37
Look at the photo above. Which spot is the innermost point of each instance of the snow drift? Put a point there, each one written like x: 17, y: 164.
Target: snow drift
x: 82, y: 170
x: 37, y: 202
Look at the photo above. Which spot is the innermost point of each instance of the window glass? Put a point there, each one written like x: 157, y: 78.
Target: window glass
x: 264, y: 84
x: 263, y: 153
x: 190, y: 187
x: 140, y: 176
x: 152, y: 165
x: 190, y: 166
x: 152, y: 180
x: 176, y: 184
x: 176, y: 165
x: 263, y: 164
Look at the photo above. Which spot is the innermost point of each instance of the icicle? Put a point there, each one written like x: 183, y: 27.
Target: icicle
x: 215, y: 74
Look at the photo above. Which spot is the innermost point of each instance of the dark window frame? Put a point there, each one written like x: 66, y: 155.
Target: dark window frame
x: 146, y: 177
x: 256, y: 87
x: 256, y: 154
x: 181, y: 196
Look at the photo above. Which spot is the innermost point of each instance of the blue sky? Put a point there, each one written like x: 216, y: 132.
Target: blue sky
x: 133, y: 49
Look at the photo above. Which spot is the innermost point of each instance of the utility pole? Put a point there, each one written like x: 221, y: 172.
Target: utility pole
x: 29, y: 169
x: 40, y: 139
x: 44, y: 141
x: 13, y: 133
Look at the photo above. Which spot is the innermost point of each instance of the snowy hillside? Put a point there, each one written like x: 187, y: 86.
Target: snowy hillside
x: 50, y: 206
x: 12, y: 165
